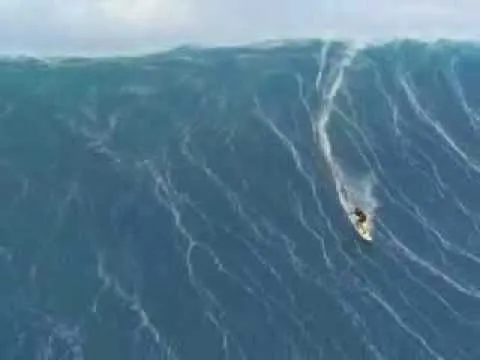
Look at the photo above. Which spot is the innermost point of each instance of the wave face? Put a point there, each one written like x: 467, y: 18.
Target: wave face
x: 193, y: 204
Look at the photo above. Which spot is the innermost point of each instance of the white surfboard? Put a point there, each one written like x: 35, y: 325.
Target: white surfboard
x: 364, y: 230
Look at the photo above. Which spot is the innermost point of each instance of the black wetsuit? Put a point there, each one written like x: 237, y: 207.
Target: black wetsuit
x: 361, y: 217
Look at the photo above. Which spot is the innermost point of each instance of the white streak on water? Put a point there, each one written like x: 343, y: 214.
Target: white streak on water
x: 345, y: 189
x: 472, y: 115
x: 109, y: 282
x: 398, y: 319
x: 471, y: 291
x: 301, y: 169
x: 423, y: 115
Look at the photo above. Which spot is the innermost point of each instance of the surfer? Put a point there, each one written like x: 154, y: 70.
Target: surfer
x: 361, y: 216
x: 362, y: 224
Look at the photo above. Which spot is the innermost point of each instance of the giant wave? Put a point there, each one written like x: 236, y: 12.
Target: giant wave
x: 191, y: 204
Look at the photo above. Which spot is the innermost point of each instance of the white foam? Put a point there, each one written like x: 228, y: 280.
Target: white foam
x: 351, y: 191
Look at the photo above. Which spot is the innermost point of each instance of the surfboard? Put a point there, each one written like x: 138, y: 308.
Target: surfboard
x: 364, y: 230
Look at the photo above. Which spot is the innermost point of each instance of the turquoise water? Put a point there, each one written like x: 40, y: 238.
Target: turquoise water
x: 185, y: 205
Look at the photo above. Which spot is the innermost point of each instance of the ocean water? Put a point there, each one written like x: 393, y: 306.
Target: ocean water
x: 193, y: 204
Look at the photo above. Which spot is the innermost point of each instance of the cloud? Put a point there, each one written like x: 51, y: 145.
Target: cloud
x: 105, y: 26
x: 144, y: 14
x: 83, y: 26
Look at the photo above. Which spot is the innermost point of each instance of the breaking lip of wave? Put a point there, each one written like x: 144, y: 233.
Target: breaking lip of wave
x: 261, y: 45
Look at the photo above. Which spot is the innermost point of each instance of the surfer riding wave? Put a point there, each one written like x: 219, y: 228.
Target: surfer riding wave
x: 361, y: 216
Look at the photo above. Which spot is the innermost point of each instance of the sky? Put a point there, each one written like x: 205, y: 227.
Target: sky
x: 92, y: 27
